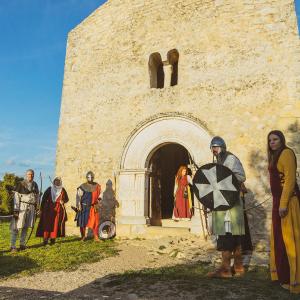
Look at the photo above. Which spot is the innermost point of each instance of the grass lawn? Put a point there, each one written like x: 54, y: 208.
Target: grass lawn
x: 67, y: 254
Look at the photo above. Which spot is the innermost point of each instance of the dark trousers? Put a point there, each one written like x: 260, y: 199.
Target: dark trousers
x: 228, y: 242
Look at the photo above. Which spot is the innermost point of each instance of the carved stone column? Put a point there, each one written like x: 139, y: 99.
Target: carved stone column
x: 133, y: 196
x: 168, y: 74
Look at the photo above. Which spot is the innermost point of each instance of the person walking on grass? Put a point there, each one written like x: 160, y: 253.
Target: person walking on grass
x: 53, y: 213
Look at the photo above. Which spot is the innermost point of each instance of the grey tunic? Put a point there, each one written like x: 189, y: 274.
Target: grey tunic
x: 232, y: 220
x: 26, y: 198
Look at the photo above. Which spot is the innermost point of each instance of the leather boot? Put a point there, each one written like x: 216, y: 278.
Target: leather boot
x: 238, y: 262
x: 224, y: 270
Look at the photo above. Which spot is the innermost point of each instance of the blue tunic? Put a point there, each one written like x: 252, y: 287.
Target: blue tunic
x: 86, y: 203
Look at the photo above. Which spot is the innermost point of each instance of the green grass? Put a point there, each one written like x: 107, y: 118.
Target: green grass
x: 67, y: 254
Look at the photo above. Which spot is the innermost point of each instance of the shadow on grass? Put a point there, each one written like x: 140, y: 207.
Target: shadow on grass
x: 11, y: 265
x: 57, y: 242
x: 66, y: 254
x: 60, y: 241
x: 41, y: 245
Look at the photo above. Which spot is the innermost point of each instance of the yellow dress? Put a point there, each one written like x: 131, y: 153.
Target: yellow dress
x: 290, y: 225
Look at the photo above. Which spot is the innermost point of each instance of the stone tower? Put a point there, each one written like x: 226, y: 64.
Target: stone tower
x: 148, y: 83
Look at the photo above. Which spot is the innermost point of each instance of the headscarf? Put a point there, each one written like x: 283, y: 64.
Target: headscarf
x: 56, y: 189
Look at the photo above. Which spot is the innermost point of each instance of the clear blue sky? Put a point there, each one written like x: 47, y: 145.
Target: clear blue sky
x: 32, y: 53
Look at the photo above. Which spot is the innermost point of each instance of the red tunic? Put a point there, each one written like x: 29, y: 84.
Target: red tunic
x: 93, y: 222
x: 53, y: 216
x: 181, y: 205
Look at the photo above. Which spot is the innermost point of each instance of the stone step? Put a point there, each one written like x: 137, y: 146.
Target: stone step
x: 176, y: 224
x: 168, y: 228
x: 159, y: 231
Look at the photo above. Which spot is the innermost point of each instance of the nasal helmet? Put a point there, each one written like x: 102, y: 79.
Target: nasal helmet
x: 217, y: 141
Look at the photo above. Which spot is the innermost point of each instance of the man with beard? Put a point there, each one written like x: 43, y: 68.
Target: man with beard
x: 229, y: 225
x: 26, y: 200
x: 87, y: 204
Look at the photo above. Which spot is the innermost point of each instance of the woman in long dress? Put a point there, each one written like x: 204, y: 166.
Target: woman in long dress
x: 285, y: 231
x: 53, y: 213
x: 182, y: 195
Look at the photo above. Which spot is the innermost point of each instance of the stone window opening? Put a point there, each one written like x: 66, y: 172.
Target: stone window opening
x: 161, y: 71
x: 173, y: 58
x: 156, y: 71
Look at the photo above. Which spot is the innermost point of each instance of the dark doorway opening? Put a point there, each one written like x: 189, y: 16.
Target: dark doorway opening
x: 163, y: 165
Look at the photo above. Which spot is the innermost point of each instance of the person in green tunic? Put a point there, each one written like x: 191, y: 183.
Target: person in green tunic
x: 229, y: 225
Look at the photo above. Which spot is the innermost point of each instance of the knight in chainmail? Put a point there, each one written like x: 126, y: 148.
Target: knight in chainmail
x: 87, y: 204
x: 26, y: 199
x: 229, y: 225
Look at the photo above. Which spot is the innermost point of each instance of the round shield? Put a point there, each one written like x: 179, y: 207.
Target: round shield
x: 216, y: 187
x: 107, y: 230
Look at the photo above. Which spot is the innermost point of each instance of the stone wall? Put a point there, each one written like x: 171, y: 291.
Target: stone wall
x: 239, y: 74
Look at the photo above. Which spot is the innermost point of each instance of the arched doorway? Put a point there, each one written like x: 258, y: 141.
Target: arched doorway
x: 133, y: 188
x: 163, y: 165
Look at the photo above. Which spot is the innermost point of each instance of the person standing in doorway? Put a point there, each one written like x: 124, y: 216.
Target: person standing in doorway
x: 26, y: 201
x: 182, y: 195
x: 285, y: 230
x: 87, y: 203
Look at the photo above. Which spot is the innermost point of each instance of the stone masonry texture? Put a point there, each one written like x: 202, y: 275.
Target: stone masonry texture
x: 239, y: 74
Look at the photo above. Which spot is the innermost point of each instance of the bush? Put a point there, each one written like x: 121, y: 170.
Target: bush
x: 6, y: 198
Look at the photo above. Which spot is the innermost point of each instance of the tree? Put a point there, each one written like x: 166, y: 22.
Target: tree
x: 6, y: 204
